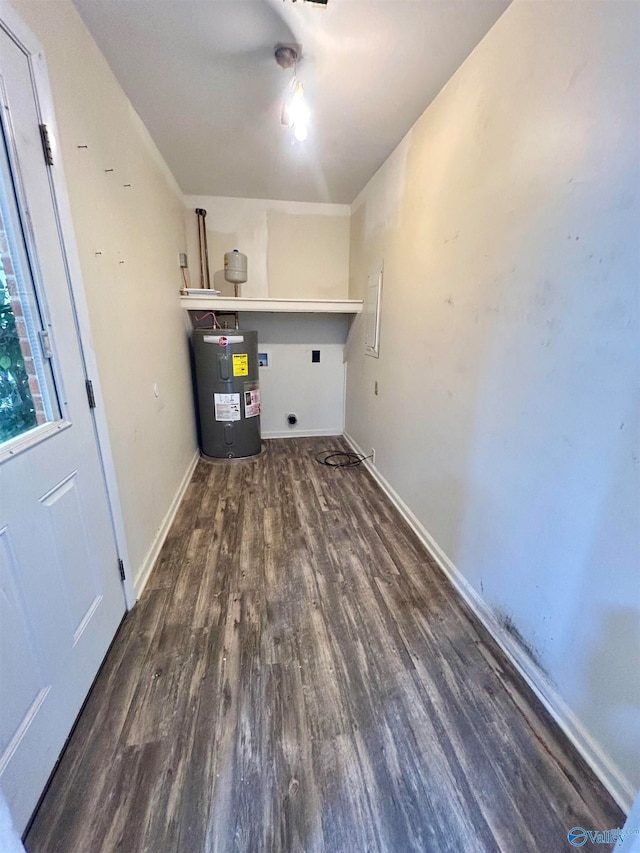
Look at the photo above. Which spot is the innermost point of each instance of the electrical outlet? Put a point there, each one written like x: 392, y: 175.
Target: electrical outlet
x: 373, y: 456
x: 375, y: 387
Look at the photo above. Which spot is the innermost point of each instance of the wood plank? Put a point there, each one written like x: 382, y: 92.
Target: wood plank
x: 299, y: 676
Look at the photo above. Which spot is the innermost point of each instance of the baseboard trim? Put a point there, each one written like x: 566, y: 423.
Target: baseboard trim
x: 297, y: 433
x: 149, y: 561
x: 620, y: 788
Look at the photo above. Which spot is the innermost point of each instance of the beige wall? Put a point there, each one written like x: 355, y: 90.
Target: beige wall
x: 507, y: 414
x: 128, y: 238
x: 294, y: 249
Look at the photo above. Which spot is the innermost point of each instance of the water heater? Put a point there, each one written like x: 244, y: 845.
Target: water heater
x: 228, y: 392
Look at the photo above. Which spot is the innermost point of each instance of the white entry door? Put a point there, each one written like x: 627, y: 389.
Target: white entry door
x: 61, y: 597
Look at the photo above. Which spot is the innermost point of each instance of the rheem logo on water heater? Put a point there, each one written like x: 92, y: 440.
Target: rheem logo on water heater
x: 223, y: 340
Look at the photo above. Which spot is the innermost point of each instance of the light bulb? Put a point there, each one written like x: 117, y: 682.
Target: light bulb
x: 295, y: 113
x: 298, y: 111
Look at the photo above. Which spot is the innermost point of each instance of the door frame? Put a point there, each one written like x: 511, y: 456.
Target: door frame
x: 13, y: 24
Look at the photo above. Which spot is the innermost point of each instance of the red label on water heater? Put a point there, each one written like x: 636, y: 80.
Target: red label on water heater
x: 223, y: 341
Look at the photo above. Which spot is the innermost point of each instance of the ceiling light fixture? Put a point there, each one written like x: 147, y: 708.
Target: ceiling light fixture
x: 294, y: 112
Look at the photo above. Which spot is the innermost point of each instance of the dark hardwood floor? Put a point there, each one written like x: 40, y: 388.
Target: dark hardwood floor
x: 299, y: 676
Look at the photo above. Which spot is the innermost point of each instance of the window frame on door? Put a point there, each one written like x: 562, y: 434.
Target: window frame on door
x: 21, y: 244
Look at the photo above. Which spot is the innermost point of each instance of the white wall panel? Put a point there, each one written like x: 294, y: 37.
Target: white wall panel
x: 507, y: 414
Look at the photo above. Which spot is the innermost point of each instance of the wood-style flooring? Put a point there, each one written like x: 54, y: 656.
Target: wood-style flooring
x: 299, y: 676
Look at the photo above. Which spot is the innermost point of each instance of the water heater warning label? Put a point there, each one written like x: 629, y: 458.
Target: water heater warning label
x: 227, y: 407
x: 252, y: 403
x: 240, y: 364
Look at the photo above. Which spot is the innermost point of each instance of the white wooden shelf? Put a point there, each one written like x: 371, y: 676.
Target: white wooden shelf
x: 206, y: 302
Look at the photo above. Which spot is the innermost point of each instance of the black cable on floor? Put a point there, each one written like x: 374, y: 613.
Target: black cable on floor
x: 340, y: 458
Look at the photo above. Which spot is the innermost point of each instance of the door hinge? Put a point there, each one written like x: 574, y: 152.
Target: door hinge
x: 121, y: 568
x: 45, y: 343
x: 46, y: 144
x: 90, y: 395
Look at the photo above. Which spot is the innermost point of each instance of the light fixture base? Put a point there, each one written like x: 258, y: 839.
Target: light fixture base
x: 287, y: 55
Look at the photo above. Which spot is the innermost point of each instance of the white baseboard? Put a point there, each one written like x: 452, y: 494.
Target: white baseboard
x: 620, y: 788
x: 298, y: 433
x: 149, y: 561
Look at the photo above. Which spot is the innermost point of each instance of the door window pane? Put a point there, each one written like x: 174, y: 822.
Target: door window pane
x: 27, y: 392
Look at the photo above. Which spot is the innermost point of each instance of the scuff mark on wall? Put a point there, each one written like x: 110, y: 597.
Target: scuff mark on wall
x: 510, y: 627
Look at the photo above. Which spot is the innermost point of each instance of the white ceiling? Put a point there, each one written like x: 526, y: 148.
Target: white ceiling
x: 202, y: 75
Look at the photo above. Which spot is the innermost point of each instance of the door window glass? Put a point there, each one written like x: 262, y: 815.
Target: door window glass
x: 27, y: 392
